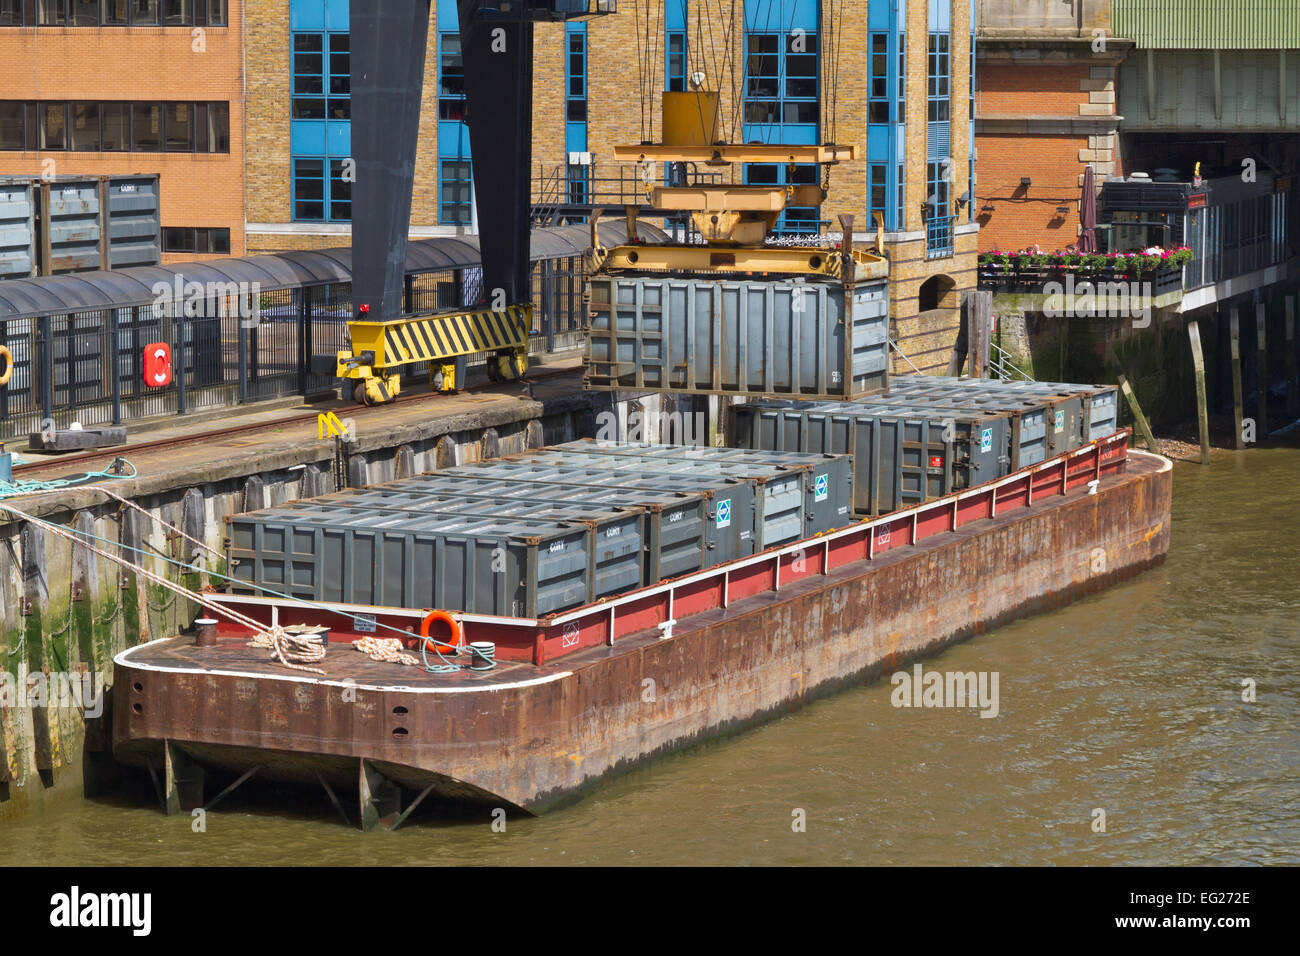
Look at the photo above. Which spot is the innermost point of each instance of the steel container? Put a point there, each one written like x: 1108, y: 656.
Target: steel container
x: 17, y: 229
x: 512, y: 567
x: 747, y: 337
x: 779, y: 493
x: 78, y: 223
x: 900, y: 456
x: 679, y: 534
x: 615, y: 528
x: 827, y: 478
x: 730, y: 514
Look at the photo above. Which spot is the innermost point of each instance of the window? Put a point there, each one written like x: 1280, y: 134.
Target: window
x: 795, y: 219
x: 781, y: 78
x: 876, y: 186
x: 85, y: 126
x: 13, y: 126
x: 177, y: 12
x: 185, y: 239
x: 116, y: 127
x: 146, y: 127
x: 51, y: 13
x: 180, y: 128
x: 451, y: 78
x: 218, y: 128
x: 340, y: 190
x: 116, y: 13
x: 675, y: 65
x: 878, y: 86
x: 309, y: 189
x: 576, y: 77
x: 84, y: 13
x: 455, y: 193
x: 54, y: 126
x: 11, y: 13
x: 939, y: 92
x: 145, y: 13
x: 321, y: 76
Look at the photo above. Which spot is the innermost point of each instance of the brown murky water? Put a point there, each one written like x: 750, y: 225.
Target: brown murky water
x: 1129, y: 701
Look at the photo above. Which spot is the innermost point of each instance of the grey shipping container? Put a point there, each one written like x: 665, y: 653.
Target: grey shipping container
x: 17, y: 229
x: 681, y: 535
x: 80, y: 223
x: 900, y: 456
x: 672, y: 525
x: 732, y: 507
x: 1063, y: 414
x: 511, y: 567
x: 828, y: 479
x: 779, y: 492
x: 1099, y: 402
x: 745, y: 337
x: 1028, y: 420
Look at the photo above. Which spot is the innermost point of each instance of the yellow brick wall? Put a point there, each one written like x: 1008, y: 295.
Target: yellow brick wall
x: 137, y: 64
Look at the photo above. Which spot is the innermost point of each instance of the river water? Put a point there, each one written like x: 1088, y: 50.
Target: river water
x: 1128, y: 702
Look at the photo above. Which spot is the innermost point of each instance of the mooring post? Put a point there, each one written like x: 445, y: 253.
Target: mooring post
x: 1202, y: 410
x: 1261, y: 362
x: 1292, y: 380
x: 380, y: 798
x: 85, y: 598
x: 1238, y: 413
x: 36, y: 600
x: 404, y: 463
x: 1143, y: 428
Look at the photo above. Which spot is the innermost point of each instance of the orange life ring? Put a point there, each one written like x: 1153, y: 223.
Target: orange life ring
x: 9, y: 365
x: 438, y: 646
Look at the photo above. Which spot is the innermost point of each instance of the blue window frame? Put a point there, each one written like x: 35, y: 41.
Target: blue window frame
x: 575, y: 76
x: 321, y: 76
x: 939, y: 92
x: 451, y: 78
x: 795, y: 220
x: 318, y: 198
x: 782, y: 80
x: 675, y: 61
x: 455, y: 192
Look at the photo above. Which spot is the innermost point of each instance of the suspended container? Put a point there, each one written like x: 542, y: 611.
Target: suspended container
x: 900, y: 456
x: 827, y: 479
x: 508, y: 566
x: 779, y: 337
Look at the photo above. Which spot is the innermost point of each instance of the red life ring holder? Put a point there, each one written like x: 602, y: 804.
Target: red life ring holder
x: 8, y: 365
x: 451, y: 622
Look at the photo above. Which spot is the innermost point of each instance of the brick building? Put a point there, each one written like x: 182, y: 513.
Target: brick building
x: 1045, y: 110
x: 95, y: 87
x: 891, y: 77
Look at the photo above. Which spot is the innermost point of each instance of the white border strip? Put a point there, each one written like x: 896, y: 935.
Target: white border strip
x: 121, y: 659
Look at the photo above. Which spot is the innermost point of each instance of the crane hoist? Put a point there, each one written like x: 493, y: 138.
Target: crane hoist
x: 389, y: 39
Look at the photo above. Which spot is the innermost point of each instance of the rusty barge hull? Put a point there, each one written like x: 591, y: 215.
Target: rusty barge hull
x: 535, y: 733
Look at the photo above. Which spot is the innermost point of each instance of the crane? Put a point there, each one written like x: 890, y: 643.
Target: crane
x: 389, y: 39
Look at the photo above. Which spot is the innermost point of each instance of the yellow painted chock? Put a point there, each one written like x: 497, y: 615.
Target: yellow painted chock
x: 328, y: 425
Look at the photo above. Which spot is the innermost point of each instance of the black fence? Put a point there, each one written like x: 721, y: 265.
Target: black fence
x: 226, y: 348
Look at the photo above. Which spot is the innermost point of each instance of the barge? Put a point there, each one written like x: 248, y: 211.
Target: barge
x: 588, y: 692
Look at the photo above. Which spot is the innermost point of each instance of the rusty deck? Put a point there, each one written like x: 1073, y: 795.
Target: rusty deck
x: 535, y: 732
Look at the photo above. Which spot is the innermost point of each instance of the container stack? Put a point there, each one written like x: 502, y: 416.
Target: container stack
x: 533, y: 534
x: 928, y: 436
x: 77, y: 223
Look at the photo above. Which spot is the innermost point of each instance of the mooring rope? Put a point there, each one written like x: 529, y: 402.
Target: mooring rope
x: 386, y: 650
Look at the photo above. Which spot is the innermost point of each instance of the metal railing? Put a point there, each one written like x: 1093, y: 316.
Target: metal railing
x: 938, y: 237
x: 1002, y: 367
x: 89, y: 366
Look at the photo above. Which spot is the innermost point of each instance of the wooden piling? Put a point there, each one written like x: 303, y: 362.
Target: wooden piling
x: 1261, y: 363
x: 1238, y: 414
x: 1292, y: 379
x: 1143, y: 428
x: 1202, y: 409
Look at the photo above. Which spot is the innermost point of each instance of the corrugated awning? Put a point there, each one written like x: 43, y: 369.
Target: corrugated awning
x: 123, y: 288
